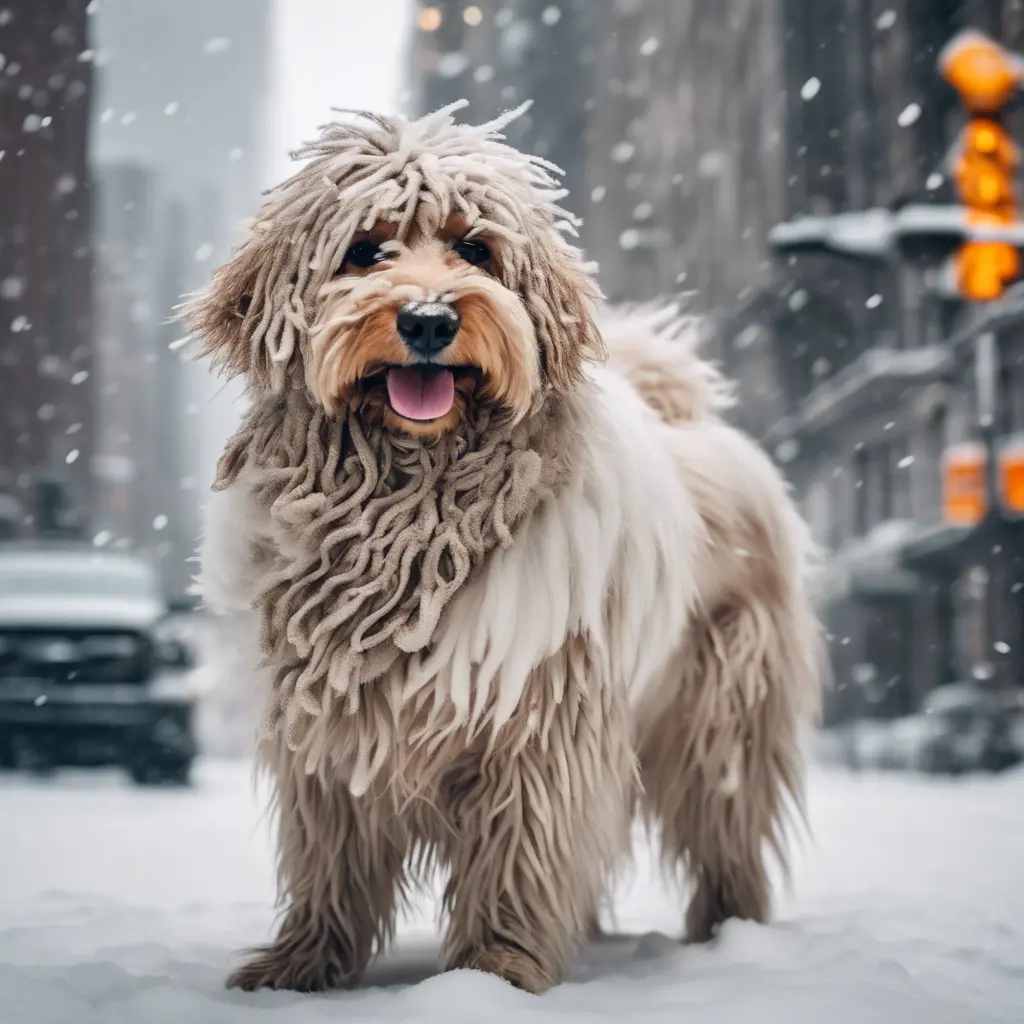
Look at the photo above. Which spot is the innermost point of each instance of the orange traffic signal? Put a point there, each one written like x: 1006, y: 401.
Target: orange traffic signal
x: 986, y: 76
x: 984, y: 269
x: 986, y: 170
x: 984, y: 73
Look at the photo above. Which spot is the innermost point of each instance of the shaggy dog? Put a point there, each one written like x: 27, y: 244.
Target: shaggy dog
x: 502, y: 596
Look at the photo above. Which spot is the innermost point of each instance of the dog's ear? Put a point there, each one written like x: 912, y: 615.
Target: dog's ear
x: 565, y: 297
x: 228, y: 315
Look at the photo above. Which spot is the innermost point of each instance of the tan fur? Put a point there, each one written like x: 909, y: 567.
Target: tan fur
x: 485, y: 641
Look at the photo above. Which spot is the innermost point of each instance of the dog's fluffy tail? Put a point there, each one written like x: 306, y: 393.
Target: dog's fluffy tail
x: 656, y: 347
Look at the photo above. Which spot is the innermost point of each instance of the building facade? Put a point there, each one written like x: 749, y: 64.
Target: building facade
x: 46, y: 359
x: 178, y: 173
x: 687, y: 131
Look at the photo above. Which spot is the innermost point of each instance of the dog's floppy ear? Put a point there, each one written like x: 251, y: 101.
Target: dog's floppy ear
x: 565, y: 296
x: 228, y: 315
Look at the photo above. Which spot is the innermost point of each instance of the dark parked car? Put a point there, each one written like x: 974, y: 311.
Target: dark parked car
x: 971, y: 731
x: 961, y: 728
x: 91, y: 670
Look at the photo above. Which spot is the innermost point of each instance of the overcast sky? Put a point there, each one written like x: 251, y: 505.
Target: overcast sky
x: 331, y: 53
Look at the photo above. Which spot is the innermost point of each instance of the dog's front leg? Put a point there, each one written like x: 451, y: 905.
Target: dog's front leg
x: 536, y: 831
x: 340, y: 866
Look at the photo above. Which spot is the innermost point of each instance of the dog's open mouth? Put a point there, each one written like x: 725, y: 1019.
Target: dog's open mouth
x: 421, y: 393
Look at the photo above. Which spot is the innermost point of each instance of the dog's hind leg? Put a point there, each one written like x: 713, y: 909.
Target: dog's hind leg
x: 537, y: 830
x: 340, y: 864
x: 718, y: 736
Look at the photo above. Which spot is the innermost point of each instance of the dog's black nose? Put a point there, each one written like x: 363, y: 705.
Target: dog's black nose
x: 427, y: 327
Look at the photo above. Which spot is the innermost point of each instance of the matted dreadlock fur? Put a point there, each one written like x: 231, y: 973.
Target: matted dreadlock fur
x: 482, y: 642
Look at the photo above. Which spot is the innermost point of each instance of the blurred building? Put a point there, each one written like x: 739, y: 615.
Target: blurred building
x: 498, y: 55
x: 688, y: 130
x: 181, y: 89
x: 46, y: 384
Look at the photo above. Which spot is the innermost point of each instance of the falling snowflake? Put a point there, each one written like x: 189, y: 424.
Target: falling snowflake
x: 934, y: 181
x: 31, y: 124
x: 80, y: 377
x: 102, y: 538
x: 798, y: 300
x: 451, y: 65
x: 107, y: 116
x: 886, y: 20
x: 649, y: 46
x: 472, y: 16
x: 204, y: 252
x: 551, y: 15
x: 810, y: 88
x: 12, y: 288
x: 622, y: 152
x: 484, y: 73
x: 160, y: 522
x: 874, y: 301
x: 598, y: 193
x: 236, y: 154
x: 786, y: 451
x: 1002, y: 647
x: 172, y: 108
x: 905, y: 462
x: 629, y: 239
x: 504, y: 17
x: 216, y: 45
x: 46, y: 411
x: 642, y: 211
x: 20, y: 323
x: 128, y: 118
x: 909, y: 115
x: 72, y: 456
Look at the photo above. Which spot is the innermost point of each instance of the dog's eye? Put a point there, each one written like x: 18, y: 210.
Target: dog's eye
x: 473, y: 252
x: 363, y: 254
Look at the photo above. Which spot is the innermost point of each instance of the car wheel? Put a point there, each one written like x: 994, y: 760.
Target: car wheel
x: 147, y: 773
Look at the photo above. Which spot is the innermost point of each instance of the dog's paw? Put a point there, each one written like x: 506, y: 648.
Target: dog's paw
x: 510, y: 963
x: 280, y: 967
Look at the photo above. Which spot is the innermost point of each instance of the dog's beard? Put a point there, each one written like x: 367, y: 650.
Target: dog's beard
x: 377, y: 534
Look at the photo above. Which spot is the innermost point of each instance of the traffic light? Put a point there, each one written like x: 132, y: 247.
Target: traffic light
x: 985, y: 171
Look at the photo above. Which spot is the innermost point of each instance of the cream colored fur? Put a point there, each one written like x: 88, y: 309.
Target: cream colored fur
x: 542, y: 626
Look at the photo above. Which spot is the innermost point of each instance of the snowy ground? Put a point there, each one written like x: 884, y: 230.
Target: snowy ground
x: 126, y: 906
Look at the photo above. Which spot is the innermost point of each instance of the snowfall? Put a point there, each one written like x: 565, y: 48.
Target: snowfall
x: 128, y: 906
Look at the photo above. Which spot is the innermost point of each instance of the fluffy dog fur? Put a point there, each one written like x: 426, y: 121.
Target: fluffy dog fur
x: 487, y: 640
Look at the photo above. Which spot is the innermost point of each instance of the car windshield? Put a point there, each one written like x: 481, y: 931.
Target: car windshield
x: 76, y: 577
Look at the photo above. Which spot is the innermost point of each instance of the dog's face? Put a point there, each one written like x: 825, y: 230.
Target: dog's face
x: 414, y: 333
x: 411, y: 272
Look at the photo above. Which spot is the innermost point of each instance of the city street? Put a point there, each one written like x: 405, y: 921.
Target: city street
x: 122, y: 905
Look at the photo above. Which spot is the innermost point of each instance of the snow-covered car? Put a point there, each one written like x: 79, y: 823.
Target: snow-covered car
x: 970, y: 730
x: 92, y: 671
x: 960, y: 728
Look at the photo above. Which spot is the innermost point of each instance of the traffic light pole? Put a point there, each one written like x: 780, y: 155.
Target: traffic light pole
x: 986, y: 373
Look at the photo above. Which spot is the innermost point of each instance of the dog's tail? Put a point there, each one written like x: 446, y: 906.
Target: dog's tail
x: 656, y: 347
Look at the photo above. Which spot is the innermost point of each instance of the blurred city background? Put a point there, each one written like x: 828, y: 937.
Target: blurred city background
x: 135, y: 137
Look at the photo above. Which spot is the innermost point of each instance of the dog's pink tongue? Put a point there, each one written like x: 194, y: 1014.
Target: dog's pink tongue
x: 421, y: 394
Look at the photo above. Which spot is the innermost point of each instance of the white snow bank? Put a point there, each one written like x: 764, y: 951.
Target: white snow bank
x: 120, y: 905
